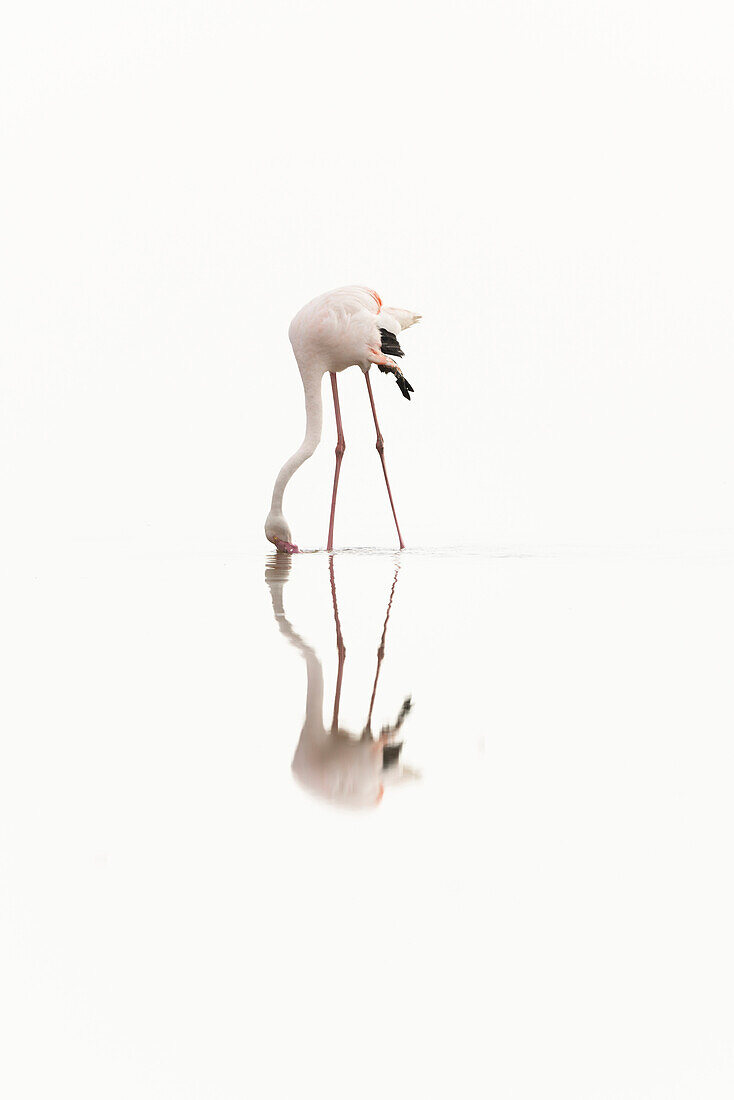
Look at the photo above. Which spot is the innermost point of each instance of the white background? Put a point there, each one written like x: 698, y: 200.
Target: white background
x: 548, y: 184
x: 546, y: 913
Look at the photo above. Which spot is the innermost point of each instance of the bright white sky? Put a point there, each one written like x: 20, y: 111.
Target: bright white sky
x: 549, y: 184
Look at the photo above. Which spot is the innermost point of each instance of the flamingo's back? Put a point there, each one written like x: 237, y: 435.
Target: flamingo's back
x: 343, y: 327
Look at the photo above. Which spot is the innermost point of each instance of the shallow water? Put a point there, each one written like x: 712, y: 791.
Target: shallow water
x: 529, y: 898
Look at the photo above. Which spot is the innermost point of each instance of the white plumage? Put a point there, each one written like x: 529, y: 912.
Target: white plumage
x: 342, y: 328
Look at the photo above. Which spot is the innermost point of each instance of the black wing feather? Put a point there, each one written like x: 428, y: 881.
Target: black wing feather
x: 405, y: 387
x: 389, y: 343
x: 389, y: 346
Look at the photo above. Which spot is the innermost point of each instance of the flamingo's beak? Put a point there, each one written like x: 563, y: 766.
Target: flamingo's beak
x: 285, y: 547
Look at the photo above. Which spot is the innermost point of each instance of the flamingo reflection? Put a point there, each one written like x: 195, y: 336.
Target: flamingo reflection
x: 333, y: 763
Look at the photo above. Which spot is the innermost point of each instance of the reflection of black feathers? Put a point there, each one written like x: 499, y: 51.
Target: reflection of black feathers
x: 389, y: 343
x: 391, y: 754
x: 391, y: 751
x: 390, y: 346
x: 402, y: 715
x: 405, y: 709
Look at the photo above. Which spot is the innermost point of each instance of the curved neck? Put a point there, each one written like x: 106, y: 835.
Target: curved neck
x: 312, y: 395
x: 314, y: 722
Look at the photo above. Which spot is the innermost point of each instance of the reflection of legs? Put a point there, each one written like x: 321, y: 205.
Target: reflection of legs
x: 340, y: 648
x: 340, y: 449
x: 380, y: 451
x: 381, y: 652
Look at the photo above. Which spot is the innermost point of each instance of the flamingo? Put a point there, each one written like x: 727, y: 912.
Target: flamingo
x: 342, y: 328
x: 330, y: 761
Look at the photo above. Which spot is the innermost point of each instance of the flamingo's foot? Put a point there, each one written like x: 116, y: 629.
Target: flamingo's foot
x: 284, y: 547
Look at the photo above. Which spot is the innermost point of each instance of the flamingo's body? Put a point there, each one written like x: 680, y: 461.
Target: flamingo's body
x: 339, y: 329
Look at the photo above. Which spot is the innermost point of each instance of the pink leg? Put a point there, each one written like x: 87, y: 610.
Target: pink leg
x: 340, y: 649
x: 381, y: 451
x: 381, y: 649
x: 340, y: 449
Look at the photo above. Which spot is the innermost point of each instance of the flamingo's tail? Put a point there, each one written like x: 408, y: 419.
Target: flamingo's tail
x: 404, y: 317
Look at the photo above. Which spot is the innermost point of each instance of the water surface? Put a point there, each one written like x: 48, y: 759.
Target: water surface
x: 517, y: 877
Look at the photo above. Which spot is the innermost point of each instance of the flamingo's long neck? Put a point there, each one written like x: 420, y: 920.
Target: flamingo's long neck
x: 314, y: 418
x: 308, y: 757
x: 314, y: 722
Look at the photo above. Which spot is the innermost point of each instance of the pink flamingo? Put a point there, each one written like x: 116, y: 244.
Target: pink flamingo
x: 343, y: 328
x: 330, y: 761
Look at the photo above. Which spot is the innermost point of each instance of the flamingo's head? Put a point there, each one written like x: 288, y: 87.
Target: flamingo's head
x: 278, y: 532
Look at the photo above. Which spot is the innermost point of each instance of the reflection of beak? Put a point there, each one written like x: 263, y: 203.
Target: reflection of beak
x: 285, y: 547
x: 379, y: 797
